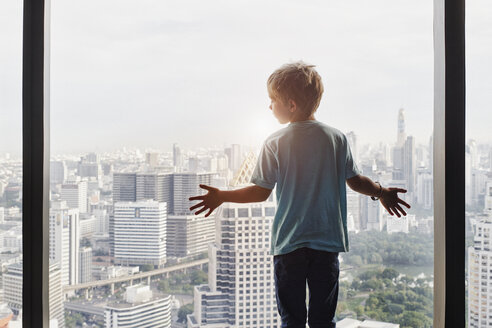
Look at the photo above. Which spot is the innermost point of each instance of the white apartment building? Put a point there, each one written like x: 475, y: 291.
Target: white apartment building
x: 189, y: 235
x: 397, y: 224
x: 140, y: 233
x: 480, y: 276
x: 64, y: 240
x: 85, y: 264
x: 75, y: 194
x: 87, y: 226
x: 12, y: 285
x: 140, y: 309
x: 240, y: 290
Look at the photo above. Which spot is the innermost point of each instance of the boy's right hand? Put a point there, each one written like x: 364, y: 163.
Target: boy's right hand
x: 210, y: 201
x: 391, y: 202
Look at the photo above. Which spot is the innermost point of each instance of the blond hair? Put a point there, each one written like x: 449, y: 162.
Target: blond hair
x: 297, y: 81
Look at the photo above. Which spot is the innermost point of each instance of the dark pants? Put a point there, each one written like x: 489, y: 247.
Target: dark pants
x: 321, y: 270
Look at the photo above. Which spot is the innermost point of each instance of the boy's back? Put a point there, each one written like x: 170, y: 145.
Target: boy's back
x: 310, y: 162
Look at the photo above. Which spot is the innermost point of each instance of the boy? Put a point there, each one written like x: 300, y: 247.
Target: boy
x: 310, y: 163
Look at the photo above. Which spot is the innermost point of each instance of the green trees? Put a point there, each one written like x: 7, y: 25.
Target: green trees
x: 373, y: 247
x: 392, y: 298
x: 184, y: 311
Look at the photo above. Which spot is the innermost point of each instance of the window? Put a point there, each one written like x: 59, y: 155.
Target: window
x: 11, y: 163
x: 194, y: 162
x: 478, y: 164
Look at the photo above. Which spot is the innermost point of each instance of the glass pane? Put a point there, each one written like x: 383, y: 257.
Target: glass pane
x: 151, y: 99
x: 478, y: 164
x: 11, y: 163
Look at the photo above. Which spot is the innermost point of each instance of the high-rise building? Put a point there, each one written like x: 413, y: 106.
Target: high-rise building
x: 58, y: 172
x: 193, y: 164
x: 102, y: 221
x: 124, y: 187
x: 488, y: 198
x: 409, y: 163
x: 186, y: 185
x: 473, y: 150
x: 64, y: 241
x: 189, y: 235
x: 396, y: 224
x: 155, y: 186
x: 177, y: 156
x: 401, y: 135
x: 88, y: 169
x: 479, y: 279
x: 85, y: 264
x: 91, y: 158
x: 140, y: 309
x: 75, y: 194
x: 371, y: 215
x: 425, y: 189
x: 352, y: 140
x: 152, y: 159
x: 140, y: 233
x: 353, y: 208
x: 12, y: 285
x: 240, y: 290
x: 398, y: 163
x: 490, y: 160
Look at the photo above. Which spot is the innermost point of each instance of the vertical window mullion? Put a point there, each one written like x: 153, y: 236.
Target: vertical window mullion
x: 35, y: 126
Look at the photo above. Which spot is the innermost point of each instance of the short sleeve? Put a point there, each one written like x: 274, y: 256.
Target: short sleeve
x: 265, y: 172
x: 351, y: 169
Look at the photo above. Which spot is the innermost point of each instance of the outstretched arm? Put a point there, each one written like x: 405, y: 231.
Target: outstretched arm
x: 215, y: 197
x: 388, y: 196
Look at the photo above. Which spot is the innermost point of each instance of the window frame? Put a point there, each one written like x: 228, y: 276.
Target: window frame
x: 449, y: 163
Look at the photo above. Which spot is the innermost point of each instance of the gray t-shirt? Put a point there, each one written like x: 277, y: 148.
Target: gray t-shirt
x: 309, y: 162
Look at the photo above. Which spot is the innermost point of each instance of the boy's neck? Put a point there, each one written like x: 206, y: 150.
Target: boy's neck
x: 300, y: 119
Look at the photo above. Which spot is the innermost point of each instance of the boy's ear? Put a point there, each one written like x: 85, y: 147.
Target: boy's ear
x: 292, y: 106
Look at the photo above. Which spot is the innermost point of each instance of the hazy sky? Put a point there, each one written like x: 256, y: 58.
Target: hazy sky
x: 151, y: 73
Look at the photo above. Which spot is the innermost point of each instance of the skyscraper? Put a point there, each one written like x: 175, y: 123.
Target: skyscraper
x: 401, y: 135
x: 409, y: 163
x: 75, y: 194
x: 58, y: 172
x: 352, y: 140
x: 85, y: 273
x: 64, y: 241
x: 12, y: 285
x: 189, y: 235
x: 140, y: 233
x: 124, y: 187
x: 186, y: 185
x: 177, y: 157
x: 155, y: 186
x: 152, y: 159
x: 240, y: 290
x: 479, y: 278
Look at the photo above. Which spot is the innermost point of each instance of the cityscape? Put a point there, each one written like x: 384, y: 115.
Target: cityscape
x: 126, y: 251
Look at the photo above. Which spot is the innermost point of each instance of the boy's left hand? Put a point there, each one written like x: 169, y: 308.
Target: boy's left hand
x: 209, y: 202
